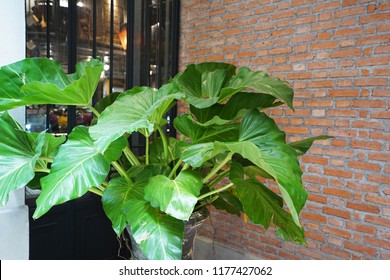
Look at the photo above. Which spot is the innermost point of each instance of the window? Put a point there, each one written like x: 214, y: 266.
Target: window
x: 136, y: 39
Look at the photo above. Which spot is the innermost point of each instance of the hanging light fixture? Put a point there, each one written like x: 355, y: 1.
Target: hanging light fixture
x: 123, y: 35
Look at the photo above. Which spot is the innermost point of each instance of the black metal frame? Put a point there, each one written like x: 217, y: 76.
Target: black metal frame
x: 129, y: 78
x: 76, y: 228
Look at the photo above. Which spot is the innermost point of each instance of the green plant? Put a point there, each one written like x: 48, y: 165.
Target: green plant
x: 225, y: 136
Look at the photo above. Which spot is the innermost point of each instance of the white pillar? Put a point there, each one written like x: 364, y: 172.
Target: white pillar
x: 14, y: 228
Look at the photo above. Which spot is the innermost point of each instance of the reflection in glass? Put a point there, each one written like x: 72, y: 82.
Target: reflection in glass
x: 98, y: 29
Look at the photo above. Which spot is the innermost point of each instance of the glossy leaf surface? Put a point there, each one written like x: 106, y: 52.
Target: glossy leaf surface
x: 175, y: 197
x: 43, y: 81
x: 19, y: 152
x: 301, y: 147
x: 262, y: 143
x: 159, y: 235
x: 139, y: 109
x: 77, y: 167
x: 263, y: 206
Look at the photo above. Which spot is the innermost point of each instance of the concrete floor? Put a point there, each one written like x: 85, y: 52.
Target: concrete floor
x: 206, y: 249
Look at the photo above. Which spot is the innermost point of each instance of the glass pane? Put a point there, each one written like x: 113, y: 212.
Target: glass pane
x: 46, y: 36
x: 84, y: 49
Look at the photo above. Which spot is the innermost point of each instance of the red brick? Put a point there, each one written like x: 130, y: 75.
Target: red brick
x: 381, y: 115
x: 335, y: 251
x: 377, y: 242
x: 315, y: 179
x: 375, y: 39
x: 383, y: 222
x: 344, y: 93
x: 337, y: 192
x: 337, y: 232
x: 361, y: 228
x: 378, y: 200
x: 321, y: 65
x: 379, y: 157
x: 284, y: 14
x: 379, y: 178
x: 366, y: 145
x: 380, y: 136
x: 367, y: 124
x: 360, y: 248
x: 373, y: 61
x: 371, y: 82
x: 336, y: 212
x: 364, y: 207
x: 323, y: 45
x: 348, y: 12
x: 324, y: 25
x: 374, y: 18
x: 317, y: 198
x: 348, y: 32
x: 339, y: 153
x: 364, y: 165
x: 326, y: 6
x: 347, y: 3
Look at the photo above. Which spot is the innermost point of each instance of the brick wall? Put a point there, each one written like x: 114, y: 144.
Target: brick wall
x: 335, y: 54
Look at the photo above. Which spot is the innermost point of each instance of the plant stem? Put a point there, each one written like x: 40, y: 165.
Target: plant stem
x: 96, y: 191
x: 216, y: 191
x: 174, y: 169
x: 218, y: 178
x: 165, y: 142
x: 211, y: 200
x: 147, y: 151
x: 122, y: 172
x: 46, y: 159
x: 93, y: 110
x: 130, y: 156
x: 45, y: 170
x: 218, y: 167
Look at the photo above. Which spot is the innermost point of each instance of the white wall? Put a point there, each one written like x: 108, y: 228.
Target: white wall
x: 14, y: 230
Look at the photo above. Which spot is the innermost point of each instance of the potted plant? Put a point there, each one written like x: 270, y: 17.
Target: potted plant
x: 227, y: 150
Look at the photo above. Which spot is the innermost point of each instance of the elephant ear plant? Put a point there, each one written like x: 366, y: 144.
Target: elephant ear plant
x: 229, y: 147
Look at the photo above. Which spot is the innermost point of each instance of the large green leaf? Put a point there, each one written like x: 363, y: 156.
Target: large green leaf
x: 262, y: 143
x: 43, y: 81
x: 201, y: 134
x: 195, y: 155
x: 263, y: 206
x: 118, y: 192
x: 237, y: 106
x: 202, y: 82
x: 139, y: 109
x: 18, y: 154
x: 228, y: 201
x: 77, y: 167
x: 157, y: 150
x: 259, y: 82
x: 114, y: 197
x: 209, y: 83
x: 14, y: 76
x: 51, y: 145
x: 242, y: 102
x: 175, y: 197
x: 114, y: 151
x: 49, y: 150
x: 106, y: 101
x: 159, y: 235
x: 302, y: 146
x: 207, y: 114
